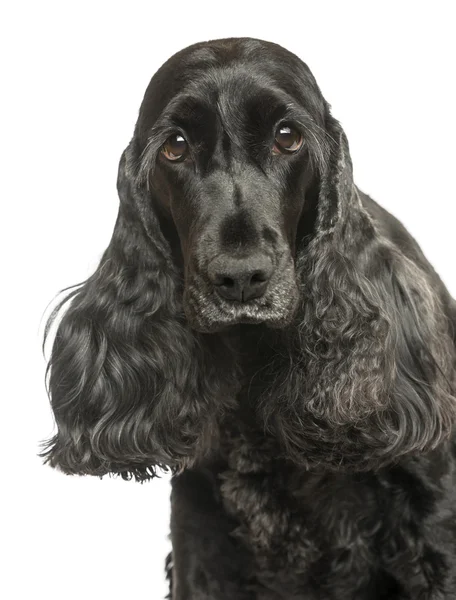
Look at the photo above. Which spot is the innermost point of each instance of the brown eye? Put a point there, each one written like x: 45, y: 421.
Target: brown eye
x: 287, y: 140
x: 175, y: 147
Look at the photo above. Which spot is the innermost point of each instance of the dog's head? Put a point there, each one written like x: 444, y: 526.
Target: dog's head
x: 231, y: 140
x: 237, y: 205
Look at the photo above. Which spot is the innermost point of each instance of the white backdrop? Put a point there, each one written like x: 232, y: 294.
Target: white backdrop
x: 73, y: 77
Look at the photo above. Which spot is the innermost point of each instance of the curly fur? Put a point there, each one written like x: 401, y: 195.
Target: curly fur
x: 310, y: 432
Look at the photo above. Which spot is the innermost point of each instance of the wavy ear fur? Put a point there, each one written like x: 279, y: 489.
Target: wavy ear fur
x: 371, y: 373
x: 125, y: 374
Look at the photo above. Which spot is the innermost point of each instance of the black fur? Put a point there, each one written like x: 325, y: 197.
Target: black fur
x: 309, y: 430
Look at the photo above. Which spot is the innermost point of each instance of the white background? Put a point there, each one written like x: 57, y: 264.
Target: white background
x: 72, y: 78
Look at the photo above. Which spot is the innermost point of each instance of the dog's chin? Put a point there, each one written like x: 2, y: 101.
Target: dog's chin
x: 209, y: 314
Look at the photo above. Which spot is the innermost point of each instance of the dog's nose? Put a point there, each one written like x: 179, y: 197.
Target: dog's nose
x: 240, y: 279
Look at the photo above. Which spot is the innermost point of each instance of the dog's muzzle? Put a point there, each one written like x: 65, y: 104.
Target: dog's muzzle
x: 249, y: 289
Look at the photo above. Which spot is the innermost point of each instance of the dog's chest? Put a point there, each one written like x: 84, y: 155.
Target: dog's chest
x: 318, y: 531
x: 294, y: 522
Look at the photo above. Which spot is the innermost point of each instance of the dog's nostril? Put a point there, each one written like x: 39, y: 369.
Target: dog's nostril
x: 258, y: 277
x: 227, y: 282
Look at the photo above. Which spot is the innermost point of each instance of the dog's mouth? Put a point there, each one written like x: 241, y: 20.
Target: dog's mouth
x: 206, y: 311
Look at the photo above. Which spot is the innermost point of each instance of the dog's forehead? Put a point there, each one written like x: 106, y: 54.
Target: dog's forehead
x: 230, y: 73
x: 232, y: 94
x: 225, y: 89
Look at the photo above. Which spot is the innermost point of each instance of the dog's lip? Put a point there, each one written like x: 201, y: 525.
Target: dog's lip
x: 223, y: 321
x: 257, y: 310
x: 247, y: 319
x: 229, y: 318
x: 218, y: 325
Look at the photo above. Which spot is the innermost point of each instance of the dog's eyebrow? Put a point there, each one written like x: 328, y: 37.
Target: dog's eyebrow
x: 280, y: 105
x: 297, y: 113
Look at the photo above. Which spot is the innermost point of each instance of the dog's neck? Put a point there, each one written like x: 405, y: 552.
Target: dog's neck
x: 253, y: 350
x: 251, y: 345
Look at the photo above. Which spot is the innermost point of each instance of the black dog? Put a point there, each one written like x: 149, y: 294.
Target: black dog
x: 268, y: 332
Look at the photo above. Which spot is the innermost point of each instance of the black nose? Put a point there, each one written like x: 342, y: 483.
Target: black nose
x: 240, y: 279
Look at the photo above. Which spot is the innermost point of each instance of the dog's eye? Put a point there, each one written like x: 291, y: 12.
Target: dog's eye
x: 175, y: 147
x: 287, y: 140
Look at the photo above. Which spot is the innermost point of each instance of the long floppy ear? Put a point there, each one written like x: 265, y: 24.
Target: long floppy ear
x: 125, y: 373
x: 375, y: 369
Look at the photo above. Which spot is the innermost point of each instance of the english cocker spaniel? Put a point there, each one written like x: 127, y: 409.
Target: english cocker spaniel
x: 265, y: 330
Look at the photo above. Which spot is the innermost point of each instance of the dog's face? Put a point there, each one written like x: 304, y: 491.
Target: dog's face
x: 233, y: 174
